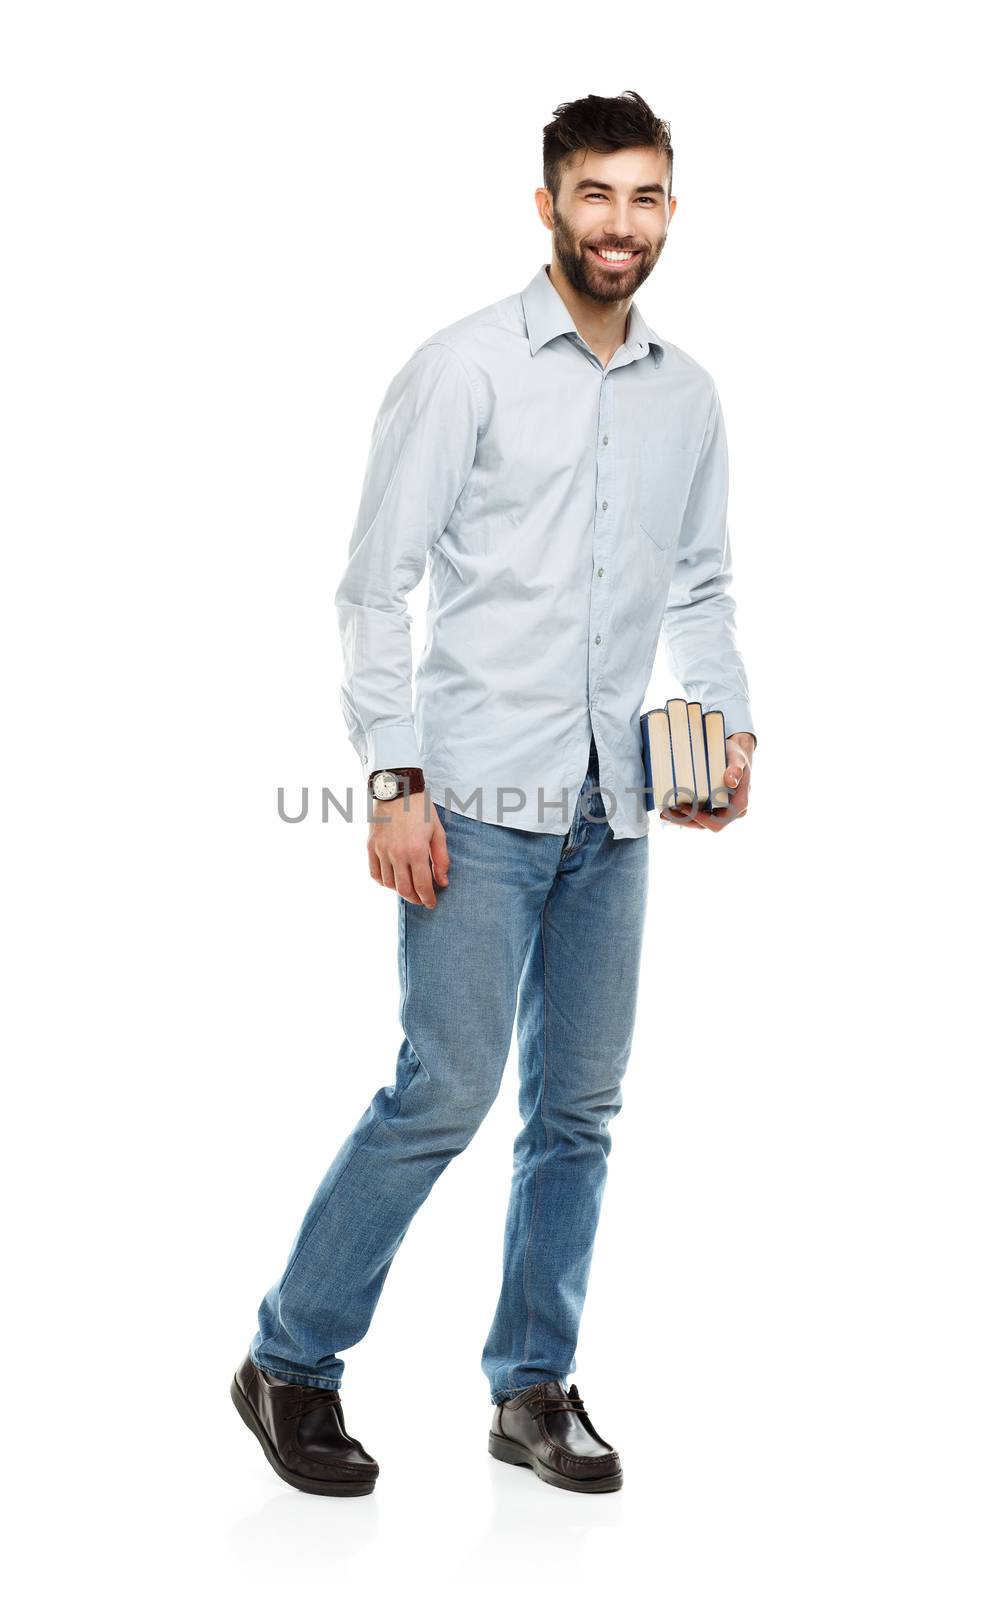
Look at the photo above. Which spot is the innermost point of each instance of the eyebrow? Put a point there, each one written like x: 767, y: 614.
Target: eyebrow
x: 596, y: 183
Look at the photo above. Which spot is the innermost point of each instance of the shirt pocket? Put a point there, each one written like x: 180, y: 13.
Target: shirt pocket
x: 665, y: 475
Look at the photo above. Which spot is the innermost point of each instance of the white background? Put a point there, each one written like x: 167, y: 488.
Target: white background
x: 227, y: 225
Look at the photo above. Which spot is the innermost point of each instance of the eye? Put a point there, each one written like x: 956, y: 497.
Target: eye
x: 646, y: 199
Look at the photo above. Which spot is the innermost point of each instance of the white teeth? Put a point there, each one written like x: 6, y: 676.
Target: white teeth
x: 616, y: 255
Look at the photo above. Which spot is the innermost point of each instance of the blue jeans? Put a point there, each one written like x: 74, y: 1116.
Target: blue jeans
x: 545, y: 925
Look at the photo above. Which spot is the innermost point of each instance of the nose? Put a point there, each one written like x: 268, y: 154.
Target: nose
x: 619, y: 228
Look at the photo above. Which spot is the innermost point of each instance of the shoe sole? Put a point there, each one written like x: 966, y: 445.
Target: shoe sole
x: 295, y: 1479
x: 518, y: 1455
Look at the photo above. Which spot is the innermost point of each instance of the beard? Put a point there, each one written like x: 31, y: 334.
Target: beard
x: 589, y: 278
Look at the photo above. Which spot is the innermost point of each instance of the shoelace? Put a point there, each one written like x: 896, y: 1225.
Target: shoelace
x: 314, y: 1402
x: 573, y: 1402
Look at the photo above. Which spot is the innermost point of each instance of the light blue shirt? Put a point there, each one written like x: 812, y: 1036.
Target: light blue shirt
x: 572, y: 515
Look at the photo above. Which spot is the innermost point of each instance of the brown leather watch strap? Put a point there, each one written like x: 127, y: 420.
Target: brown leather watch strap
x: 414, y: 775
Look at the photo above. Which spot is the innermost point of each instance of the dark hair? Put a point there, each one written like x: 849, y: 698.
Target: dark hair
x: 603, y: 123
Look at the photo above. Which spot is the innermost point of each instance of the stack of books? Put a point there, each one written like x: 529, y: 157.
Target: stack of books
x: 685, y: 757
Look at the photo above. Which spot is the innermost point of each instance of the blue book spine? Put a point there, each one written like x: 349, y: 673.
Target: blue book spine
x: 646, y: 751
x: 705, y: 759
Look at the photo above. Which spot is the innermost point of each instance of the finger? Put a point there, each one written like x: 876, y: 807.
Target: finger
x: 715, y: 821
x: 404, y: 881
x: 737, y: 792
x: 423, y: 883
x: 679, y: 819
x: 439, y: 854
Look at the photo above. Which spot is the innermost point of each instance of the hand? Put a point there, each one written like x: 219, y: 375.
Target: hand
x: 406, y: 838
x: 740, y: 747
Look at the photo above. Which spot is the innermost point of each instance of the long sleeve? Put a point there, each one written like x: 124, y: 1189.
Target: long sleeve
x: 698, y: 627
x: 422, y: 449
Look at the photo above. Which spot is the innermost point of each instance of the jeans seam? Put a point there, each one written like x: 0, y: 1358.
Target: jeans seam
x: 542, y: 1161
x: 405, y: 966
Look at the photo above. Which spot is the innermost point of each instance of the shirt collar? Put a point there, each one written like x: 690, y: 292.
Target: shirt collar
x: 546, y: 317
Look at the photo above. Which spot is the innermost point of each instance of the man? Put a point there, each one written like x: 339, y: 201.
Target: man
x: 563, y: 471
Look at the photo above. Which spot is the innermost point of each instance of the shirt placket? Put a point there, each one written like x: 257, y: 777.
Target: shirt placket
x: 605, y: 510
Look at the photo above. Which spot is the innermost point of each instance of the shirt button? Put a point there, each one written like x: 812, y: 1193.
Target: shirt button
x: 605, y: 505
x: 600, y: 571
x: 605, y: 438
x: 598, y: 638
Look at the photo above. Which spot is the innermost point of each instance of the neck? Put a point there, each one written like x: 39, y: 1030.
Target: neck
x: 602, y: 324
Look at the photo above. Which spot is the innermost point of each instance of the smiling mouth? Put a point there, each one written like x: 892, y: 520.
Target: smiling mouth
x: 614, y: 260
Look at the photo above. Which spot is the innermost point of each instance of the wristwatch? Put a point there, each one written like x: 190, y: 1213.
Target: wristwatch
x: 388, y: 783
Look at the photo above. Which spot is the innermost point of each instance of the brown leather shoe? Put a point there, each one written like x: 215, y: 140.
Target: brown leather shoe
x: 546, y: 1427
x: 302, y: 1432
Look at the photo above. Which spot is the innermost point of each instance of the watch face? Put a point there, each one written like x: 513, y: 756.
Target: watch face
x: 385, y: 786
